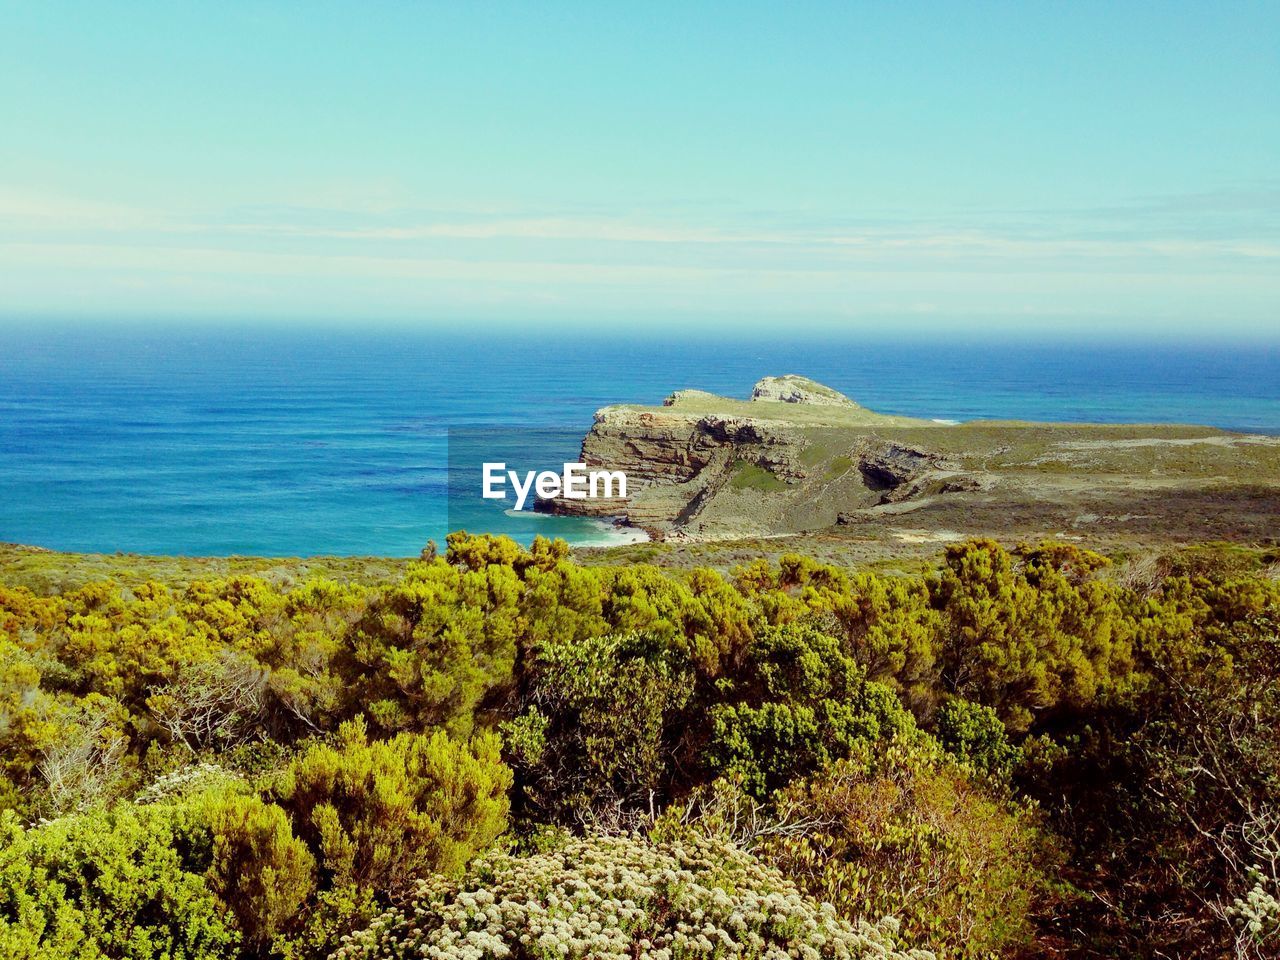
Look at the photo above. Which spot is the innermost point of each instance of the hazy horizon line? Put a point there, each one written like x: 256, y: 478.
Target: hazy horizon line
x: 700, y: 329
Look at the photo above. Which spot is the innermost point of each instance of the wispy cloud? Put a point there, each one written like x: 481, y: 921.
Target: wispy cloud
x: 1243, y: 224
x: 919, y: 239
x: 1152, y: 257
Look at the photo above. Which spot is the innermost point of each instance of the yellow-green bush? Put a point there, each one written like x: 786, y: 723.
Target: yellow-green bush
x: 1029, y: 638
x: 264, y: 874
x: 385, y: 812
x: 901, y: 830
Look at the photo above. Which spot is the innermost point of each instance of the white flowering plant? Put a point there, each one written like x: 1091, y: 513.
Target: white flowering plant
x: 621, y: 898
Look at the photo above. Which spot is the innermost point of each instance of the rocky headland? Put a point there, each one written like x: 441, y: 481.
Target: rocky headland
x: 799, y: 457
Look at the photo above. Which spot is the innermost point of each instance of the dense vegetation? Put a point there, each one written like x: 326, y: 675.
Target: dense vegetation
x: 501, y: 752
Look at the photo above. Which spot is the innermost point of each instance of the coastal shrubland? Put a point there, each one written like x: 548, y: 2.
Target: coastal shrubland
x: 1027, y: 749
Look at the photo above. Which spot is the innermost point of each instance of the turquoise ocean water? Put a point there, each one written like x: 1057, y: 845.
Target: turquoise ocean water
x: 285, y: 442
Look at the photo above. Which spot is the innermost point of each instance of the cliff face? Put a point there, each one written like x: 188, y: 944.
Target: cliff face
x: 671, y: 459
x: 651, y: 448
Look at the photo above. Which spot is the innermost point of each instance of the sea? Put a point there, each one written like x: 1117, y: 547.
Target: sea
x: 297, y: 440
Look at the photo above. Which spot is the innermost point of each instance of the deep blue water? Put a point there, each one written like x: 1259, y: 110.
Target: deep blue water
x: 292, y: 442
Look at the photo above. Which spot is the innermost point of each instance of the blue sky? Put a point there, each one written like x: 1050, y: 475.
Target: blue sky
x: 1034, y: 167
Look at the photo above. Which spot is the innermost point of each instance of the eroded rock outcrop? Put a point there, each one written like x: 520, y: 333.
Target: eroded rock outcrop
x: 792, y: 388
x: 895, y: 469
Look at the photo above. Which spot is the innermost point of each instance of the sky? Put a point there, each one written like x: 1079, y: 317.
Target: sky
x: 1008, y: 167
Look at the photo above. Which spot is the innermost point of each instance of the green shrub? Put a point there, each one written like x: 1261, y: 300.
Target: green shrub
x: 37, y: 919
x: 699, y: 615
x: 888, y: 627
x: 973, y: 733
x: 128, y: 883
x: 798, y: 703
x: 885, y: 623
x: 595, y: 734
x: 1177, y: 788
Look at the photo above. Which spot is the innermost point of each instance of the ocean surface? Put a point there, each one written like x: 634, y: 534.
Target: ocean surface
x: 289, y: 442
